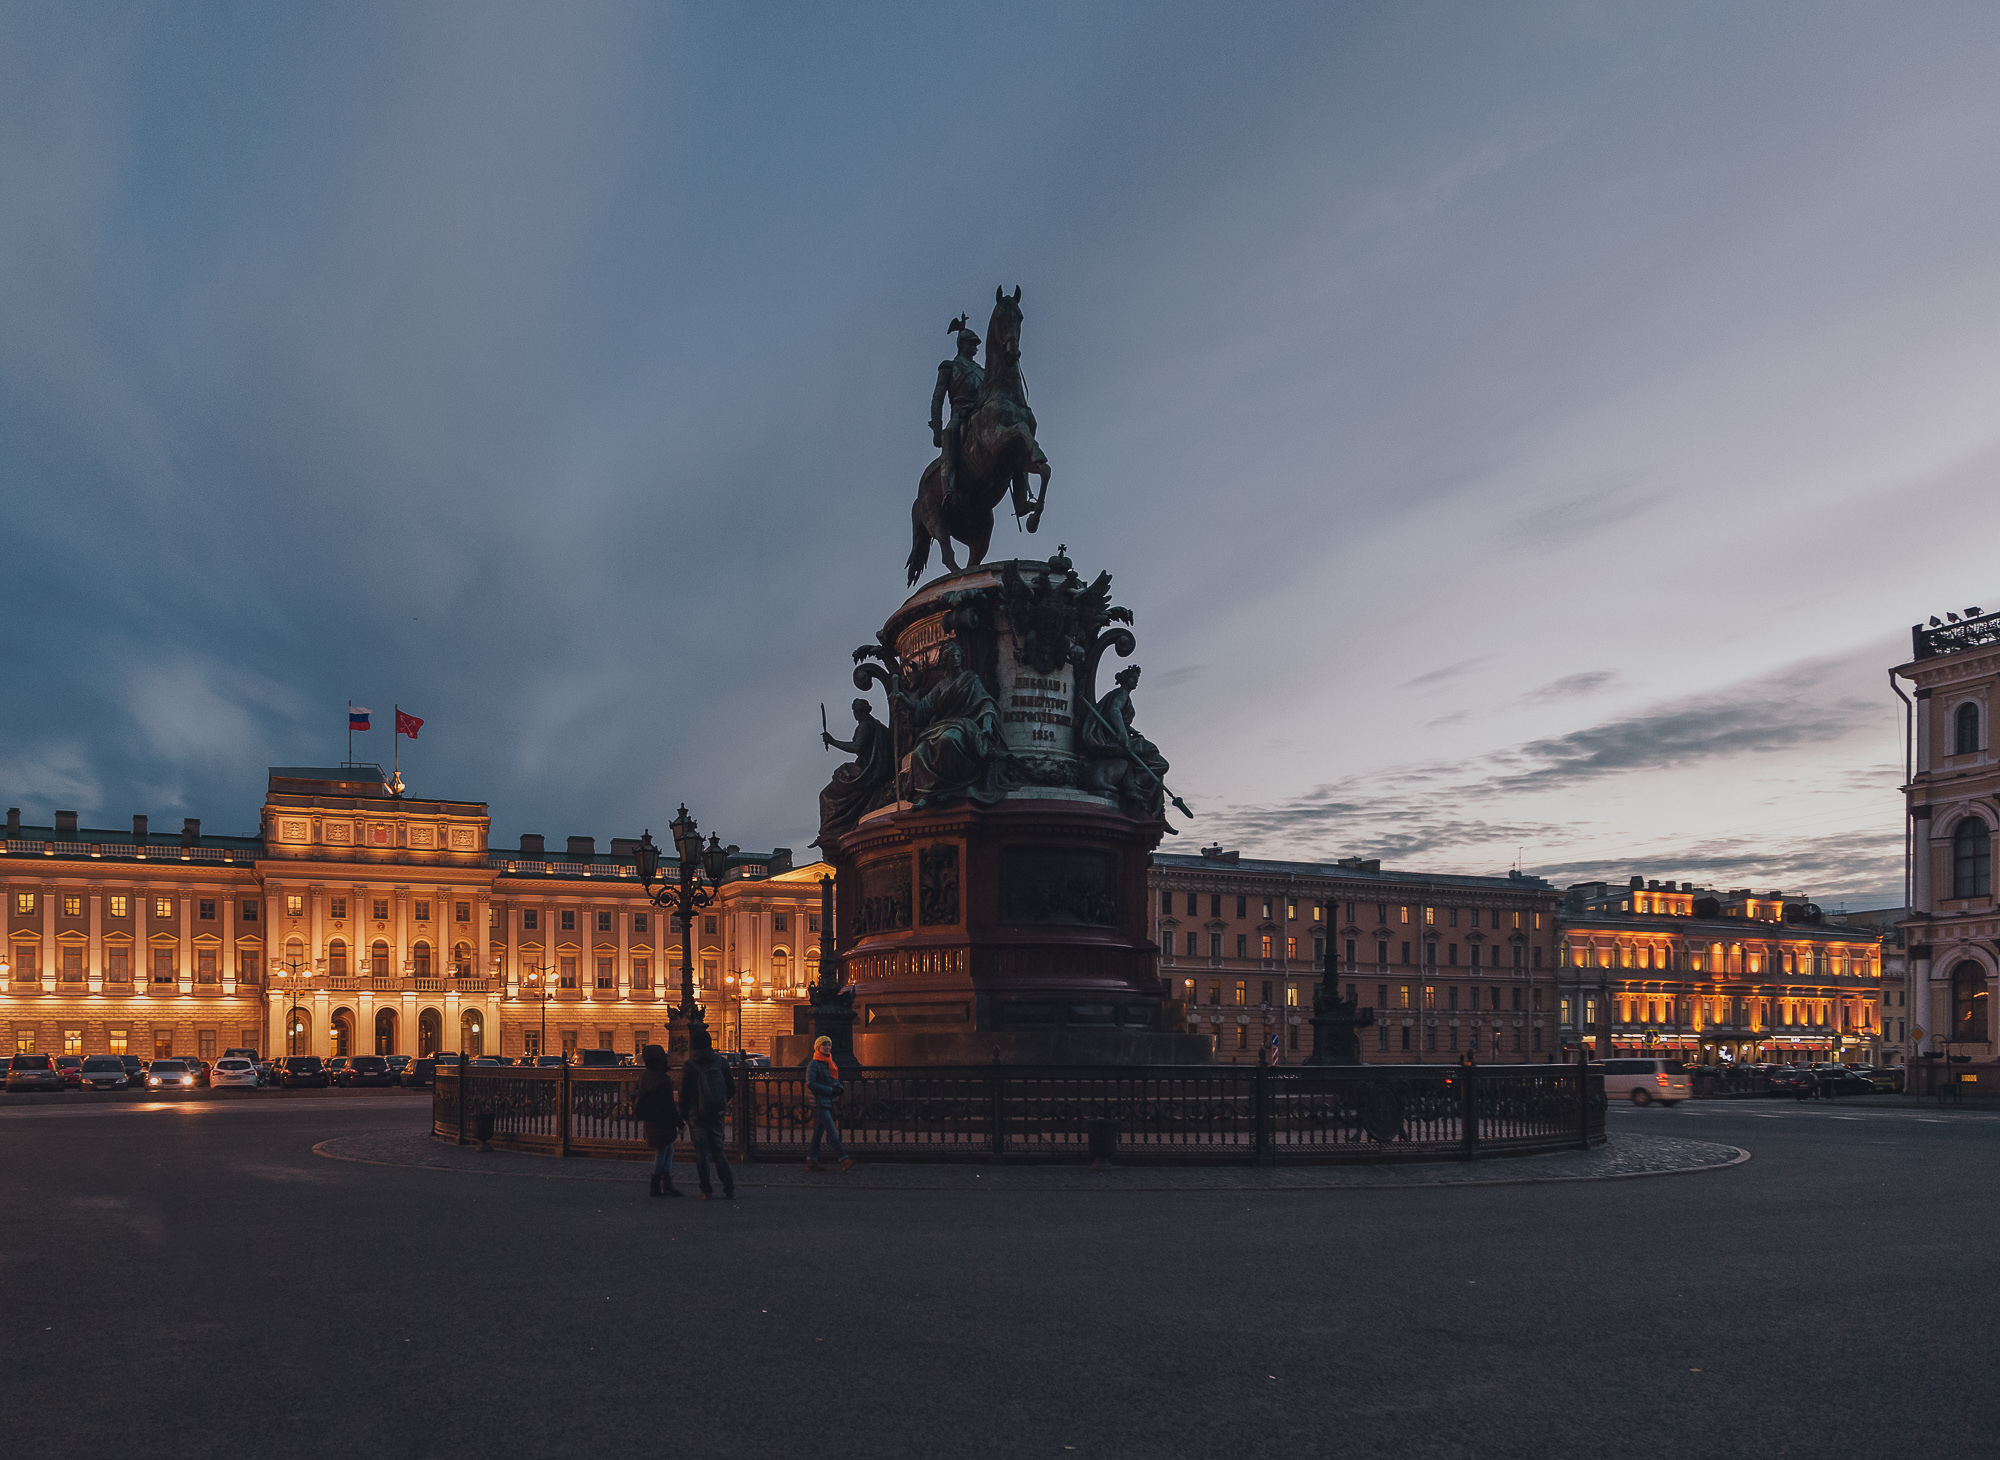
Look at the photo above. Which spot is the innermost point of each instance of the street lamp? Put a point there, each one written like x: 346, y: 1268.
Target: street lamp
x: 290, y: 967
x: 684, y: 896
x: 537, y: 975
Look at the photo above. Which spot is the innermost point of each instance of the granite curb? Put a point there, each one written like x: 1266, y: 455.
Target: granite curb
x: 1623, y: 1158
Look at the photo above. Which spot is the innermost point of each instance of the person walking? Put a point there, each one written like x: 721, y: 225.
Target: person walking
x: 706, y: 1090
x: 823, y: 1082
x: 655, y: 1106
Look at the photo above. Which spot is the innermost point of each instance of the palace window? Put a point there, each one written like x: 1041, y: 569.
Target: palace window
x: 250, y: 908
x: 1190, y: 943
x: 204, y: 966
x: 531, y: 919
x: 781, y: 922
x: 708, y: 927
x: 1291, y: 910
x: 1291, y: 947
x: 604, y: 922
x: 1194, y: 904
x: 118, y: 965
x: 638, y: 922
x: 1267, y: 993
x: 605, y: 977
x: 1971, y: 859
x: 1215, y: 945
x: 568, y: 921
x: 423, y: 913
x: 1291, y: 996
x: 336, y: 959
x: 117, y: 905
x: 642, y: 973
x: 1968, y: 1003
x: 1967, y: 736
x: 117, y: 1039
x: 567, y: 971
x: 1241, y: 998
x: 378, y: 955
x: 1242, y: 907
x: 205, y: 910
x: 420, y: 957
x: 1451, y: 998
x: 1167, y: 901
x: 1265, y: 944
x: 73, y: 907
x: 163, y: 965
x: 1215, y: 904
x: 1242, y: 945
x: 461, y: 912
x: 24, y: 903
x: 1267, y: 907
x: 1350, y: 951
x: 812, y: 922
x: 163, y: 907
x: 381, y: 913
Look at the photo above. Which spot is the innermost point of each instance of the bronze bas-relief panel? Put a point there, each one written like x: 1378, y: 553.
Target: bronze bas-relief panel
x: 885, y: 898
x: 1058, y: 885
x: 937, y: 885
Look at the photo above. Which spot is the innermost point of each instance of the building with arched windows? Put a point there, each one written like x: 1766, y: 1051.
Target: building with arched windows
x: 358, y: 921
x: 1952, y: 932
x: 1717, y: 977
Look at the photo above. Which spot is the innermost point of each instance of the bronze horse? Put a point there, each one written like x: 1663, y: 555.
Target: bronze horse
x: 997, y: 454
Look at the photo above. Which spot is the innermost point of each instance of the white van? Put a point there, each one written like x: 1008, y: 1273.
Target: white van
x: 1644, y: 1081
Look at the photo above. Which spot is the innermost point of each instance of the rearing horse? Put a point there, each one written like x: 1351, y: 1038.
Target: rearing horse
x: 997, y: 453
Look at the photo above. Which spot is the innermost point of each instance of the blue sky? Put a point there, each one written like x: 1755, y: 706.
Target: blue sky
x: 1521, y: 432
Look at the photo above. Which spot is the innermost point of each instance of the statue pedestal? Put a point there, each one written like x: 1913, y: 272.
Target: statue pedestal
x: 992, y: 893
x: 1017, y: 929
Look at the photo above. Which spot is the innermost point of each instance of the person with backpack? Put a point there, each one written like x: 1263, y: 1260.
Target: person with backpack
x: 706, y: 1090
x: 660, y: 1116
x: 823, y: 1082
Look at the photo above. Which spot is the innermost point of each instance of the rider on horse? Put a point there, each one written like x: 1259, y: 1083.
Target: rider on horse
x: 959, y: 379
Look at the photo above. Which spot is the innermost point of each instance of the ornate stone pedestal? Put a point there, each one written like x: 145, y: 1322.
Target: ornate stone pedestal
x: 992, y: 900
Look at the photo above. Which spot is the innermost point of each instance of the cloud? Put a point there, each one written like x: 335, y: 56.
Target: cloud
x: 1573, y: 687
x: 1449, y: 672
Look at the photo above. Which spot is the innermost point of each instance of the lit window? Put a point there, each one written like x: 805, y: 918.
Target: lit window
x: 117, y: 1039
x: 1405, y: 913
x: 117, y: 906
x: 1291, y: 996
x: 24, y: 903
x: 1291, y: 909
x: 1265, y: 942
x: 1240, y: 999
x: 73, y: 907
x: 1291, y: 947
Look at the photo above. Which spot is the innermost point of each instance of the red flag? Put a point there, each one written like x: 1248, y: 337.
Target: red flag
x: 408, y: 724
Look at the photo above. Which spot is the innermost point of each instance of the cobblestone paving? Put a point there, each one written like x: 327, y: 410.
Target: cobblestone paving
x: 1625, y: 1155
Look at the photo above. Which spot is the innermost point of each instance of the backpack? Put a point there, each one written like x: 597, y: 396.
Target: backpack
x: 712, y: 1087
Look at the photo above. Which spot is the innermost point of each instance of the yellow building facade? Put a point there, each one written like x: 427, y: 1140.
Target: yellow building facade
x: 1707, y: 976
x: 361, y: 922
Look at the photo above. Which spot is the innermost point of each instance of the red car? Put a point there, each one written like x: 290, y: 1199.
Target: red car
x: 70, y: 1067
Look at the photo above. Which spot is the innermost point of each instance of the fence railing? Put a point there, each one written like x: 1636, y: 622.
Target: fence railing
x: 1154, y: 1114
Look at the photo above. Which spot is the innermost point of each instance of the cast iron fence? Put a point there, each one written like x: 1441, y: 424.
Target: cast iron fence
x: 1157, y: 1114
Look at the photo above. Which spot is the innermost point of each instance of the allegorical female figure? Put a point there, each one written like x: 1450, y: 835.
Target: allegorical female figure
x: 857, y: 786
x: 958, y: 732
x: 1110, y: 746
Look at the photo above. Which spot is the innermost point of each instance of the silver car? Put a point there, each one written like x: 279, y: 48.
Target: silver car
x: 237, y: 1071
x: 104, y: 1072
x: 33, y: 1072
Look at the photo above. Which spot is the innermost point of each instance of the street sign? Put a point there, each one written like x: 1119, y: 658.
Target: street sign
x: 1916, y: 1031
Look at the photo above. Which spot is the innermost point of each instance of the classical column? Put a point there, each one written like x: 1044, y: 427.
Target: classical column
x: 185, y: 896
x: 227, y: 957
x: 50, y: 954
x: 96, y: 967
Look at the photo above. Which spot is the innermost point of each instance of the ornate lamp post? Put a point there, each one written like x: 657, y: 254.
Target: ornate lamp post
x: 288, y: 971
x: 684, y: 896
x: 536, y: 974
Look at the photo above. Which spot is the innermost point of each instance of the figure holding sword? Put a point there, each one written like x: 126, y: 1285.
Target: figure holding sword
x: 1121, y: 762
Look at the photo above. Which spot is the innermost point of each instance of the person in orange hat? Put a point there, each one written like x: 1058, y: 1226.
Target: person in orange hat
x: 823, y: 1082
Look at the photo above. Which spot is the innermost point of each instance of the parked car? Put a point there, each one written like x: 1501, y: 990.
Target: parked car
x: 1791, y: 1080
x: 397, y: 1064
x: 742, y: 1059
x: 1841, y: 1080
x: 33, y: 1072
x: 267, y: 1072
x: 240, y: 1054
x: 170, y: 1074
x: 135, y: 1069
x: 419, y: 1073
x: 488, y: 1059
x: 296, y: 1071
x: 235, y: 1072
x: 336, y: 1067
x: 104, y: 1072
x: 1642, y: 1081
x: 1887, y: 1077
x: 199, y: 1068
x: 588, y: 1059
x: 364, y: 1069
x: 548, y: 1061
x: 70, y: 1067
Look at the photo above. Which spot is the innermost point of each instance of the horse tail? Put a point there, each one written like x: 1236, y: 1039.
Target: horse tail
x: 920, y: 540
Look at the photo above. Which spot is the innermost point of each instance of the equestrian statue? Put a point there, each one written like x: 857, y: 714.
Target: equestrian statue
x: 986, y: 450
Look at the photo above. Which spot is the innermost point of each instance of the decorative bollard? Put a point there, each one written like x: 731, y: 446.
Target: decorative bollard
x: 1103, y: 1135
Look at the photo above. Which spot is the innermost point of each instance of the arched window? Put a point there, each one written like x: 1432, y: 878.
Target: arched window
x: 461, y: 958
x: 1971, y: 859
x: 421, y: 955
x: 1968, y: 1004
x: 336, y: 958
x: 378, y: 955
x: 1965, y: 740
x: 781, y: 968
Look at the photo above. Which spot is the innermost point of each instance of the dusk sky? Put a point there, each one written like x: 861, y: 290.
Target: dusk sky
x: 1522, y: 433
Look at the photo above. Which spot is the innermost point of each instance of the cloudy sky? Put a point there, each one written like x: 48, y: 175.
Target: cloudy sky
x: 1523, y: 433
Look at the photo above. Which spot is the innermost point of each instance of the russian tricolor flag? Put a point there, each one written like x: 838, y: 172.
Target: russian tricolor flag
x: 357, y: 718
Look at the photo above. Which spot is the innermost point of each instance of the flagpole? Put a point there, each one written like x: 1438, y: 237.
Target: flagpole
x: 350, y: 732
x: 396, y: 739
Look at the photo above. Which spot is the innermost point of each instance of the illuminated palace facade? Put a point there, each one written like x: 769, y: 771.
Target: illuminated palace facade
x: 1451, y: 965
x: 1696, y: 974
x: 383, y: 924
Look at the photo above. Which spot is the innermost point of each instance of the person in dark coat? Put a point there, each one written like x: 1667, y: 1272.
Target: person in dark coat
x: 823, y: 1083
x: 706, y: 1090
x: 660, y: 1118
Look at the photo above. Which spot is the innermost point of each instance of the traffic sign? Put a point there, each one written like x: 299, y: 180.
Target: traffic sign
x: 1916, y: 1031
